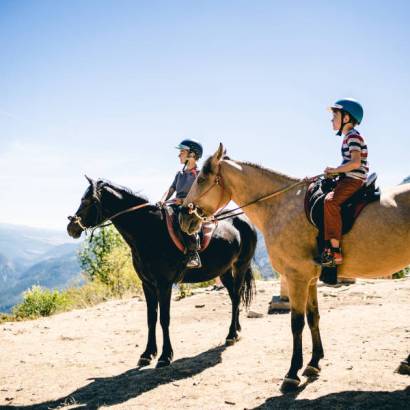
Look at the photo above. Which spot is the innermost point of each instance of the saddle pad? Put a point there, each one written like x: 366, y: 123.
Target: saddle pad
x: 174, y: 230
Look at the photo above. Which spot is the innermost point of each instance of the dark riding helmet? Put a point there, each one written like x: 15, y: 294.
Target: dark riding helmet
x: 351, y: 107
x: 191, y: 146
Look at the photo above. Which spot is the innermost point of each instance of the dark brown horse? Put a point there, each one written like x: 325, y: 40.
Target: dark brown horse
x: 159, y: 263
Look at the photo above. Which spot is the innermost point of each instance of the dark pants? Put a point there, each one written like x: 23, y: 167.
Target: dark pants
x: 191, y: 242
x: 344, y: 189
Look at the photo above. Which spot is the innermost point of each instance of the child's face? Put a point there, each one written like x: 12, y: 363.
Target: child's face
x: 183, y: 155
x: 336, y: 120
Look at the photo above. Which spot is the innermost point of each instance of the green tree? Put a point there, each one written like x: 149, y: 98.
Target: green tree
x: 107, y: 259
x: 95, y: 252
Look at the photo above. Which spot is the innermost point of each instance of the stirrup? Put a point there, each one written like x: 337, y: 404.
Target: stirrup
x: 326, y: 259
x: 194, y: 261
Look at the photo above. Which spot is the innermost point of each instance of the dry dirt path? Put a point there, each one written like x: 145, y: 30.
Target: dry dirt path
x: 87, y: 358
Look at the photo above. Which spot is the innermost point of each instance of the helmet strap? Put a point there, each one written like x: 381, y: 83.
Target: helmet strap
x: 342, y: 124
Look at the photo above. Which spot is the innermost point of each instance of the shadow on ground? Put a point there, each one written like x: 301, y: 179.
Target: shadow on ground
x: 132, y: 383
x: 354, y: 400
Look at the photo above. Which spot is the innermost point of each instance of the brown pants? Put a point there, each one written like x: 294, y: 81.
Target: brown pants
x: 344, y: 189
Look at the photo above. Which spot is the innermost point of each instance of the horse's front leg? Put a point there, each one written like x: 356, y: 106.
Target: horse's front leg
x: 151, y: 299
x: 298, y: 294
x: 313, y: 368
x: 165, y: 304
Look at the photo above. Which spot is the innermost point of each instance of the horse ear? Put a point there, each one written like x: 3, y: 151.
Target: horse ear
x: 90, y: 180
x: 219, y: 152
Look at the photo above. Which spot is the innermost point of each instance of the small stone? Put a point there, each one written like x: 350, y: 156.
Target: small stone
x: 254, y: 315
x: 200, y: 306
x: 230, y: 402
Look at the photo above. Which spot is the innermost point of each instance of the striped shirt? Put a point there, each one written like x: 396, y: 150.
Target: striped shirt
x: 353, y: 141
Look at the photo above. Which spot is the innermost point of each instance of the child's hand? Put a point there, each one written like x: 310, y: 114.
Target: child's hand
x: 330, y: 170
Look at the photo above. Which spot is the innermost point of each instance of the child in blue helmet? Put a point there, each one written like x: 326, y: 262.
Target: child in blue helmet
x: 347, y: 113
x: 190, y: 151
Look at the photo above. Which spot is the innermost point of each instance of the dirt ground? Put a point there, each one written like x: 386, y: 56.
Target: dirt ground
x: 87, y: 358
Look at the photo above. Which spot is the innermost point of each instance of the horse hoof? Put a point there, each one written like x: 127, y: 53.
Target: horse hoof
x: 162, y: 363
x: 404, y: 368
x: 230, y: 341
x: 311, y: 371
x: 143, y: 361
x: 289, y: 385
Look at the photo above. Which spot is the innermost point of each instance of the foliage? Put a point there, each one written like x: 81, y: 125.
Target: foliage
x: 107, y: 265
x: 402, y: 273
x: 39, y: 301
x: 106, y: 259
x: 95, y: 252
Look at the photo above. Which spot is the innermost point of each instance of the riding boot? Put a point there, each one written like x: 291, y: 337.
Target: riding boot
x: 191, y: 250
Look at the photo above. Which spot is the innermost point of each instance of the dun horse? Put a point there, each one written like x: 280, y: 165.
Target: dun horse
x: 377, y: 245
x: 159, y: 263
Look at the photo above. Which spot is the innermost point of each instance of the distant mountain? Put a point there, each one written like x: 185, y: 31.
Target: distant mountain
x: 261, y: 259
x: 406, y: 180
x: 30, y: 256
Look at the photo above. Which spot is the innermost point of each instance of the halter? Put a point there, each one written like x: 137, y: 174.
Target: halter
x: 193, y: 209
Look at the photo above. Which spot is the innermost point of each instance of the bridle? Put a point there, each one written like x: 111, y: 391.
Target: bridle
x: 195, y: 210
x: 76, y: 219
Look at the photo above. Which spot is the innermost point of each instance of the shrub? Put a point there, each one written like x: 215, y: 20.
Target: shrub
x: 39, y: 301
x: 402, y: 273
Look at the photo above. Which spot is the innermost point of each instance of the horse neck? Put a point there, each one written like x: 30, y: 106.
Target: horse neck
x: 248, y: 182
x: 112, y: 205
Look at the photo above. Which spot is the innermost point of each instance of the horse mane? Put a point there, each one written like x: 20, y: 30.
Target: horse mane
x: 267, y: 171
x: 122, y: 190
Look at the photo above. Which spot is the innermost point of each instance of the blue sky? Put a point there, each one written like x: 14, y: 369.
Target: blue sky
x: 108, y: 88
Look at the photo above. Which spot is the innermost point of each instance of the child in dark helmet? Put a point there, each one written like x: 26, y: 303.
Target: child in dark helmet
x: 347, y: 113
x: 190, y: 151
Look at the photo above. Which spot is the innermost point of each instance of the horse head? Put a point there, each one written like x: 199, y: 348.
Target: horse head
x: 206, y: 196
x: 90, y: 212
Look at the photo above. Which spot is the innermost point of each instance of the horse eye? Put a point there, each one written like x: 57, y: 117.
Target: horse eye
x: 201, y: 180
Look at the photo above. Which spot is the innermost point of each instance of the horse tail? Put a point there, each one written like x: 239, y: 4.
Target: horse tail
x: 248, y: 290
x: 249, y: 240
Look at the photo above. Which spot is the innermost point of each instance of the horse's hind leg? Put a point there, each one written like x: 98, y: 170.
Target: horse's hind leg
x: 312, y: 312
x: 298, y: 294
x: 230, y: 284
x: 151, y: 300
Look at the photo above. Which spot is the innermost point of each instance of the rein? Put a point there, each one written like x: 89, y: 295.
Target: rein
x: 77, y: 219
x: 230, y: 213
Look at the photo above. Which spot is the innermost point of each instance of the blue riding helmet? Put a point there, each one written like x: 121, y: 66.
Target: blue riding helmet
x: 191, y: 146
x: 351, y: 106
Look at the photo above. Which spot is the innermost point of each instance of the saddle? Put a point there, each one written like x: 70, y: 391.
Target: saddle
x: 350, y: 210
x: 174, y: 230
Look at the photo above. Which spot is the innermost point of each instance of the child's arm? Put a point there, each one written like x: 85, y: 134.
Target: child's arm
x: 354, y: 163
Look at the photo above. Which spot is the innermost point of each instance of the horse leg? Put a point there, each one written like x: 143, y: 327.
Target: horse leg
x: 230, y: 284
x: 152, y: 309
x: 165, y: 304
x: 298, y: 294
x: 313, y: 368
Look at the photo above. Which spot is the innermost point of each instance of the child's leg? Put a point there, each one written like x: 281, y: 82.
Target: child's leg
x: 344, y: 189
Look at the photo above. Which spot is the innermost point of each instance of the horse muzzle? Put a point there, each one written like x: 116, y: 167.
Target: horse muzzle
x: 75, y: 228
x: 189, y: 222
